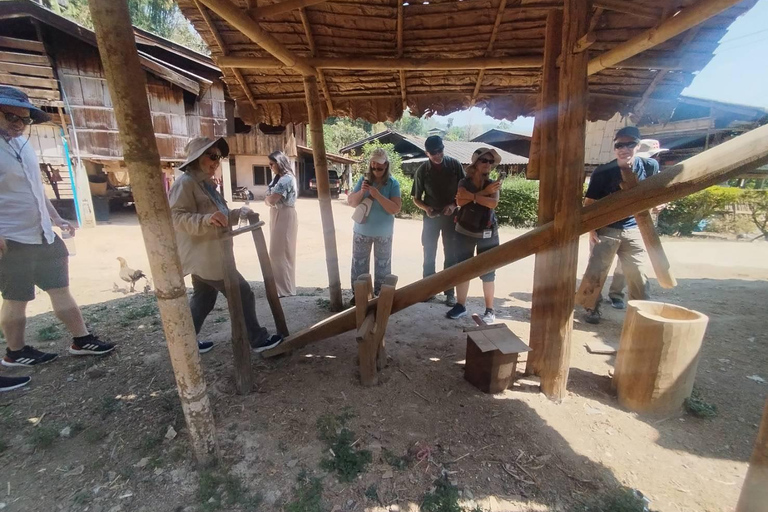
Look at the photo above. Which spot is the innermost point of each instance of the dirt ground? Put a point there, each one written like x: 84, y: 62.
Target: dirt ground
x: 93, y: 434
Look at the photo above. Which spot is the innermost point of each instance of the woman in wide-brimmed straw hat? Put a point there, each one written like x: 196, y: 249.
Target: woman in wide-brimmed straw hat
x: 283, y: 223
x: 198, y: 212
x: 476, y: 226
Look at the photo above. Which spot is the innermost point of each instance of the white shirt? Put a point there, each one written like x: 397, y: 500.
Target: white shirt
x: 24, y: 216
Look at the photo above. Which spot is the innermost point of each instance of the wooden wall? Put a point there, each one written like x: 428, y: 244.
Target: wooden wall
x: 257, y: 142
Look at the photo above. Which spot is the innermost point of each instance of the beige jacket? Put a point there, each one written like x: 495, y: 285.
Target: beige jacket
x: 198, y: 241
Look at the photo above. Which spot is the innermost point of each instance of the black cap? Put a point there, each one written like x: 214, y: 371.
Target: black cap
x: 433, y: 143
x: 630, y: 132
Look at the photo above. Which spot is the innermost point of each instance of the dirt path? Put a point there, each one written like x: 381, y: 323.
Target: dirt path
x: 515, y: 451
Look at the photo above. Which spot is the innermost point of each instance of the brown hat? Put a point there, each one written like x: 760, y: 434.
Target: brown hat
x: 199, y: 145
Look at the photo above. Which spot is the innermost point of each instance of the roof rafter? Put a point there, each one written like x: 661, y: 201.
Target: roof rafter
x: 629, y: 7
x: 387, y: 64
x: 400, y: 51
x: 279, y: 8
x: 491, y: 42
x: 313, y: 53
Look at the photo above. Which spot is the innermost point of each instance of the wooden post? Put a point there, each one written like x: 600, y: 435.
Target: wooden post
x: 754, y: 492
x: 546, y: 169
x: 591, y: 287
x: 269, y: 280
x: 367, y: 350
x: 323, y: 189
x: 127, y: 86
x: 241, y: 347
x: 572, y: 124
x: 383, y: 310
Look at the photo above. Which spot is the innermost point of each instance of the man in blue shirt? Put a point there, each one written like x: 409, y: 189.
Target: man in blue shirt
x: 606, y: 179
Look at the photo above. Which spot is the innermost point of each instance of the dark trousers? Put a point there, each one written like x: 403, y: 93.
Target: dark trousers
x: 430, y: 232
x: 204, y: 293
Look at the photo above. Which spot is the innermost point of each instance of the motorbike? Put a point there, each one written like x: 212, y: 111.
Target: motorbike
x: 242, y: 194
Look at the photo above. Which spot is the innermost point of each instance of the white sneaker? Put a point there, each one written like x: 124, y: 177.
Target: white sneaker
x: 489, y: 316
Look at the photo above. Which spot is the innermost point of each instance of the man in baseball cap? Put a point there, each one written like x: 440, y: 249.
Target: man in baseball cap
x: 31, y: 254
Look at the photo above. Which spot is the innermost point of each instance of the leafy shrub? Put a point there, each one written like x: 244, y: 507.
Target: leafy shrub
x: 683, y: 216
x: 408, y: 208
x: 518, y: 202
x: 758, y: 203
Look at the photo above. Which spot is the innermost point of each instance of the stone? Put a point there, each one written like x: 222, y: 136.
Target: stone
x: 171, y: 433
x: 117, y: 508
x: 292, y: 463
x: 142, y: 463
x: 468, y: 494
x: 388, y: 474
x: 65, y: 432
x: 95, y: 373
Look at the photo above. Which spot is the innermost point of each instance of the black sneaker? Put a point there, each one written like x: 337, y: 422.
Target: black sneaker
x: 27, y: 356
x: 204, y: 346
x: 267, y: 343
x: 456, y: 312
x: 617, y: 303
x: 450, y: 300
x: 592, y: 316
x: 10, y: 383
x: 90, y: 345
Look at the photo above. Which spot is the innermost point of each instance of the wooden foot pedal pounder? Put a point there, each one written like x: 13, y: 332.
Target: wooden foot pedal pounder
x: 372, y: 325
x: 492, y: 357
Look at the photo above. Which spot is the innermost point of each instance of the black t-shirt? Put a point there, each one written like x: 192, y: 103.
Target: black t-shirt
x: 437, y: 186
x: 606, y: 179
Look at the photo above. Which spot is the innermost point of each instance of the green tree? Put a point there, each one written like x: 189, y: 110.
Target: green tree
x: 342, y: 133
x: 758, y: 204
x: 407, y: 124
x: 457, y: 133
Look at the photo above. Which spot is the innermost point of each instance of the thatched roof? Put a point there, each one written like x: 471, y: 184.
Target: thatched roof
x: 447, y: 29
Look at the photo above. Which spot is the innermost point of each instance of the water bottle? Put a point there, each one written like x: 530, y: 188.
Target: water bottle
x: 69, y: 241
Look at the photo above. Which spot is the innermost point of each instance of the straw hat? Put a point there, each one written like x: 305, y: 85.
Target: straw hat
x: 15, y: 98
x: 649, y: 147
x: 197, y: 146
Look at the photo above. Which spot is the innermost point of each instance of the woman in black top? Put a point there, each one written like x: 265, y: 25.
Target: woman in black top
x: 476, y: 226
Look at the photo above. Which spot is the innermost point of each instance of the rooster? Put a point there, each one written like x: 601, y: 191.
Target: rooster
x: 129, y: 275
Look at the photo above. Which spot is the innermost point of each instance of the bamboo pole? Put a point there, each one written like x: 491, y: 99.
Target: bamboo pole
x: 323, y: 189
x: 127, y: 87
x: 249, y: 28
x: 281, y: 7
x: 382, y: 64
x: 754, y: 492
x: 688, y: 18
x: 541, y: 327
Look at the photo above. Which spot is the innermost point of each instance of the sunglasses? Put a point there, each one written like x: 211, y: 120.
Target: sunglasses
x: 627, y: 145
x: 13, y: 118
x: 436, y: 152
x: 379, y: 169
x: 485, y: 161
x: 214, y: 156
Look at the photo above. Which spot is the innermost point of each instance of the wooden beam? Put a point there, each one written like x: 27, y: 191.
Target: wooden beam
x: 278, y: 8
x: 754, y: 492
x: 22, y: 44
x: 547, y: 118
x: 29, y: 81
x: 25, y: 58
x: 672, y: 63
x: 400, y: 52
x: 24, y: 69
x: 313, y: 53
x: 489, y: 49
x: 224, y: 50
x: 731, y: 158
x: 270, y: 288
x: 170, y: 75
x: 386, y: 64
x: 629, y: 7
x: 687, y: 18
x: 249, y: 28
x: 314, y: 109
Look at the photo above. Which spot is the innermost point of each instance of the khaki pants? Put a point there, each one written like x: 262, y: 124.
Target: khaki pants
x: 631, y: 255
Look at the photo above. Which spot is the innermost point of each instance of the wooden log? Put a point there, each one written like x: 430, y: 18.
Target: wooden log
x: 754, y: 492
x: 367, y: 351
x: 720, y: 163
x: 633, y: 8
x: 547, y: 117
x: 280, y: 7
x: 687, y: 18
x: 572, y: 125
x: 314, y: 108
x: 270, y: 287
x: 383, y: 310
x: 253, y: 31
x: 127, y: 87
x: 22, y: 44
x: 363, y: 294
x: 651, y: 238
x: 532, y: 171
x: 591, y: 287
x: 241, y: 347
x: 385, y: 64
x: 658, y: 356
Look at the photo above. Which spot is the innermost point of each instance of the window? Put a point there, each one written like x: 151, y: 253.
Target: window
x: 261, y: 175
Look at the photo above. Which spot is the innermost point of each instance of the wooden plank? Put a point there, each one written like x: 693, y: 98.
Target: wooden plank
x: 383, y: 310
x: 484, y: 327
x: 600, y: 347
x: 754, y: 492
x: 269, y: 277
x: 41, y: 94
x: 481, y: 340
x: 28, y: 81
x: 22, y: 44
x: 170, y: 75
x: 24, y: 69
x: 506, y: 341
x: 363, y: 291
x: 367, y: 351
x: 24, y: 58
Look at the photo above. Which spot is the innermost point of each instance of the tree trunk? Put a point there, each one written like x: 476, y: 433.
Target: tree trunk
x: 323, y: 189
x: 127, y: 87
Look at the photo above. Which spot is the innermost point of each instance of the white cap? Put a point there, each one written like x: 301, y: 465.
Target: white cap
x: 379, y: 156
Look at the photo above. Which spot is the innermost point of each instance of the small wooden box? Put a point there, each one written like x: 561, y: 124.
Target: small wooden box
x: 492, y: 357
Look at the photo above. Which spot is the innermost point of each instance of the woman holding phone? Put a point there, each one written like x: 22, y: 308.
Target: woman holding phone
x: 476, y: 226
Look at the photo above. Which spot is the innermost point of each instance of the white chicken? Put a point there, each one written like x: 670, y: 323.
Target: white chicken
x: 129, y: 275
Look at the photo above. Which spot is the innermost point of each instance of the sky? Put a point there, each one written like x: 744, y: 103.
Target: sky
x: 738, y: 73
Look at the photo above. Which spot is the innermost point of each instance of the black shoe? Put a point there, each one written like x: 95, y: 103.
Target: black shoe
x: 27, y: 356
x: 204, y: 346
x: 450, y: 300
x: 592, y: 316
x: 10, y: 383
x: 456, y: 312
x: 267, y: 343
x: 90, y: 346
x: 617, y: 303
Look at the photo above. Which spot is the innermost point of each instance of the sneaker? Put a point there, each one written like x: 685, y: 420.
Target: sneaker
x: 456, y: 312
x: 617, y: 303
x: 489, y: 316
x: 90, y: 346
x: 10, y: 383
x: 592, y: 316
x: 27, y: 356
x: 450, y: 300
x: 204, y: 346
x: 267, y: 343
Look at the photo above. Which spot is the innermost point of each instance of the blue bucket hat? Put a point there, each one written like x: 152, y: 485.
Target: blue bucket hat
x: 13, y: 97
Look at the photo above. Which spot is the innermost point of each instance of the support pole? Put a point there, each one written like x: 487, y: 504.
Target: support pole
x: 323, y: 189
x: 127, y: 87
x: 546, y: 170
x: 572, y: 123
x: 754, y: 492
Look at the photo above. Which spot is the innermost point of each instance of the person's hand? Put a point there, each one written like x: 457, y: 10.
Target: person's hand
x: 448, y: 210
x: 375, y: 193
x: 465, y: 194
x: 3, y: 246
x: 593, y: 238
x: 432, y: 213
x: 65, y: 226
x: 491, y: 189
x: 218, y: 219
x: 658, y: 209
x: 365, y: 187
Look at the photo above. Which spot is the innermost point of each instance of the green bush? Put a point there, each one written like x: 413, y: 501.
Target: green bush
x: 682, y: 216
x: 408, y: 208
x: 518, y: 202
x: 758, y: 203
